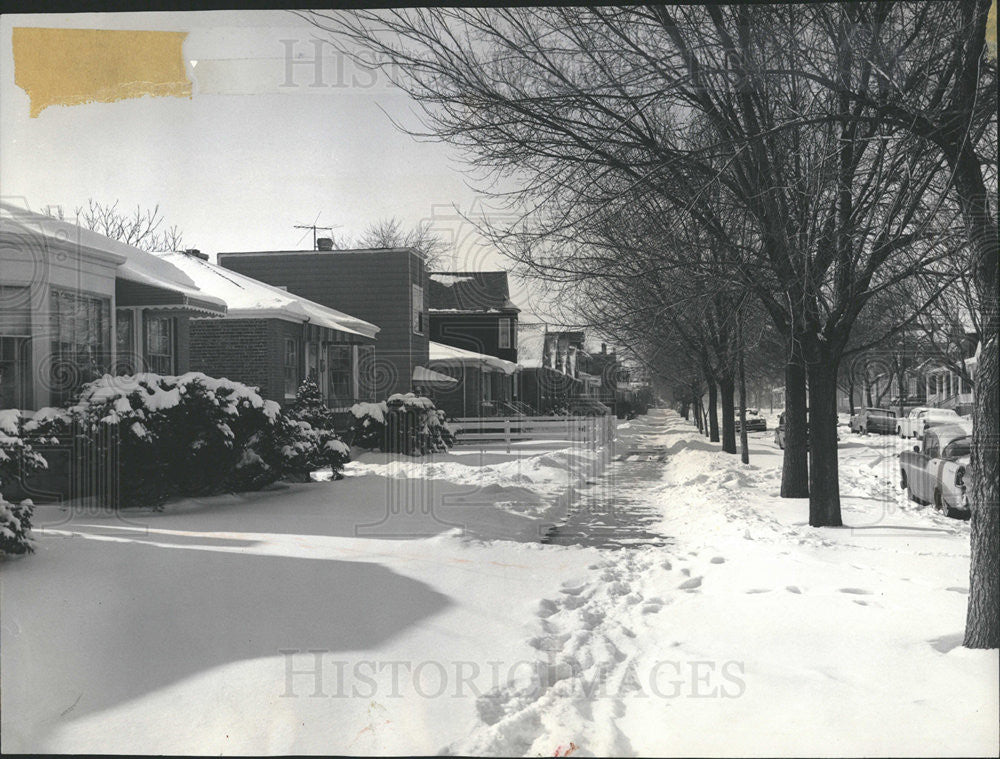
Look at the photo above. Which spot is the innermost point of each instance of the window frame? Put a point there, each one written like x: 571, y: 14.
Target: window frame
x: 346, y: 370
x: 417, y: 325
x: 150, y: 359
x: 86, y: 303
x: 290, y: 368
x: 506, y: 327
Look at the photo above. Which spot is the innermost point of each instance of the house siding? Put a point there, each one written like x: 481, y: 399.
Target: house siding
x: 371, y: 285
x: 479, y: 333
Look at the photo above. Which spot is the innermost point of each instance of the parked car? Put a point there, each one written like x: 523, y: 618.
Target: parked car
x: 779, y: 432
x: 914, y: 423
x: 936, y: 470
x: 880, y: 420
x: 755, y: 422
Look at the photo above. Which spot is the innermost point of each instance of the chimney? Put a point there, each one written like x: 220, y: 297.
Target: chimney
x: 195, y: 253
x: 324, y: 243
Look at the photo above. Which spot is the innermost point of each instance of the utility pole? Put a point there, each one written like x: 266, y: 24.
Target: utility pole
x: 313, y: 227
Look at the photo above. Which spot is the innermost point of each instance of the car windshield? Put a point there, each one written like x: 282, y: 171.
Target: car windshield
x: 943, y: 412
x: 958, y: 448
x: 881, y: 412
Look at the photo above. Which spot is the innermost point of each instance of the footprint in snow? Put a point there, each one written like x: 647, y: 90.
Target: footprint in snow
x: 958, y: 589
x: 758, y: 590
x: 718, y: 560
x: 546, y: 608
x: 666, y: 565
x: 856, y: 591
x: 694, y: 582
x: 793, y: 589
x: 686, y: 572
x: 572, y: 589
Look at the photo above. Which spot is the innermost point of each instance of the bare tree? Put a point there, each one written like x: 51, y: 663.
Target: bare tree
x: 835, y: 129
x: 391, y: 233
x: 140, y: 229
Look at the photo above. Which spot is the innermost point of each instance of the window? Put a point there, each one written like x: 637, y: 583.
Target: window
x: 126, y: 362
x: 15, y: 355
x: 418, y: 309
x: 505, y: 332
x: 15, y: 372
x: 341, y: 372
x: 931, y: 445
x: 81, y: 344
x: 160, y: 344
x: 291, y: 367
x: 958, y: 448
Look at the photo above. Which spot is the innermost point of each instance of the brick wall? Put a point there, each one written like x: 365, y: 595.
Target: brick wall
x: 238, y: 349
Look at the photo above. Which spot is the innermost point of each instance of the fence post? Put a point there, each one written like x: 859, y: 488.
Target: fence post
x: 506, y: 432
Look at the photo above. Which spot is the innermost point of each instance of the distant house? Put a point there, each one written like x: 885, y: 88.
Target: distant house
x: 386, y: 287
x: 548, y: 358
x: 471, y: 312
x: 75, y: 305
x: 274, y: 339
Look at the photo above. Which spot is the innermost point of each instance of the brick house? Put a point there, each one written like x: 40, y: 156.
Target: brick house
x: 386, y: 287
x: 273, y: 339
x: 75, y: 305
x: 473, y: 333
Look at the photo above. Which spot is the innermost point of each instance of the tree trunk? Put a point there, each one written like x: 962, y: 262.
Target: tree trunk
x: 850, y: 391
x: 824, y: 481
x: 726, y: 388
x: 744, y: 450
x: 982, y: 624
x: 713, y: 411
x: 795, y: 466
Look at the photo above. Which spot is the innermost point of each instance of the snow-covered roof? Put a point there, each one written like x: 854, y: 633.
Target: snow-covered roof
x: 423, y: 374
x: 469, y: 292
x: 134, y: 265
x: 449, y: 354
x: 246, y: 297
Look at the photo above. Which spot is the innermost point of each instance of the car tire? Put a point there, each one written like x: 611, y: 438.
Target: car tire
x: 939, y: 503
x: 902, y: 480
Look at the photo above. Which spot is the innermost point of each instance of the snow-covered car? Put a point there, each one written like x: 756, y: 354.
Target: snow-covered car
x: 880, y: 420
x: 936, y: 470
x: 918, y: 419
x: 755, y: 422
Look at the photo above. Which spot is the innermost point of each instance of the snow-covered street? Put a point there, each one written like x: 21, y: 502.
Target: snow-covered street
x: 428, y: 605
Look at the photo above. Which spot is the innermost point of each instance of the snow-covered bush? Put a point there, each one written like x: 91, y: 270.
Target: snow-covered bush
x: 310, y: 407
x: 15, y: 524
x: 289, y: 449
x: 18, y: 459
x: 404, y: 423
x: 171, y: 435
x: 368, y: 425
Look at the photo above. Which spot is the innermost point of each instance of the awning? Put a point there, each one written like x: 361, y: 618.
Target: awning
x: 449, y: 355
x: 131, y: 293
x: 423, y: 375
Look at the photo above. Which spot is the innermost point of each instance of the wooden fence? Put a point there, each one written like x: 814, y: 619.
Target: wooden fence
x: 583, y: 431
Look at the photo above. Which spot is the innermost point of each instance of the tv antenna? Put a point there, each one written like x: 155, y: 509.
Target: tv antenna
x: 314, y: 227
